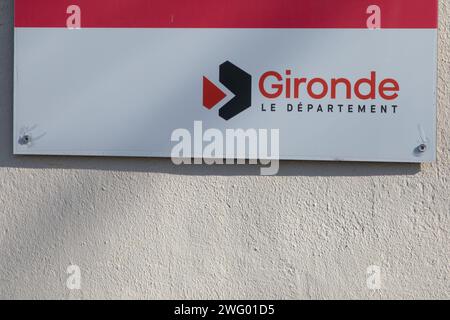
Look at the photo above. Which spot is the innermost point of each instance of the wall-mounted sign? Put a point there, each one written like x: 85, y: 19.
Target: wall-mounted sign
x: 338, y: 79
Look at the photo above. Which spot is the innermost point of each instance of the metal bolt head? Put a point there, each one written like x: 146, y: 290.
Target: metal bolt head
x: 422, y: 148
x: 26, y: 139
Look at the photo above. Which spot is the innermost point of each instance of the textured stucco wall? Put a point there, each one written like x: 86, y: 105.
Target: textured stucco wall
x: 143, y: 228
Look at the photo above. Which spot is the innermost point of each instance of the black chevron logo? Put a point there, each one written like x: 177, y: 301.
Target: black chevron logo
x: 238, y: 82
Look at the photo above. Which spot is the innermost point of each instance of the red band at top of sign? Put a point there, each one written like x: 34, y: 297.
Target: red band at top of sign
x: 395, y: 14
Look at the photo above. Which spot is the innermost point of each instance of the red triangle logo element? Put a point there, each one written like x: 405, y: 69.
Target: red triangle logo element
x: 212, y: 95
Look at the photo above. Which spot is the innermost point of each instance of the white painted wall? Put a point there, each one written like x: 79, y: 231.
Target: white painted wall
x: 143, y: 228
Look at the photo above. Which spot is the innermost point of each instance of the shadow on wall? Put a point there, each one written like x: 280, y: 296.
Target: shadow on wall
x: 287, y: 168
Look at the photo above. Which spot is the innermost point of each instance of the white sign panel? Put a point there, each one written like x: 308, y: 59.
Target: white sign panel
x: 338, y: 80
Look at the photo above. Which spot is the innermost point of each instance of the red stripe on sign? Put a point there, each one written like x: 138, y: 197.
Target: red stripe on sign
x: 227, y: 13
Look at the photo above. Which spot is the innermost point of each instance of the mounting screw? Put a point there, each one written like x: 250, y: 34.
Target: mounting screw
x: 26, y: 139
x: 422, y: 148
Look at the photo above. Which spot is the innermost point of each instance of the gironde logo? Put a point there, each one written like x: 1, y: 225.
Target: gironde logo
x: 238, y: 82
x: 292, y: 92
